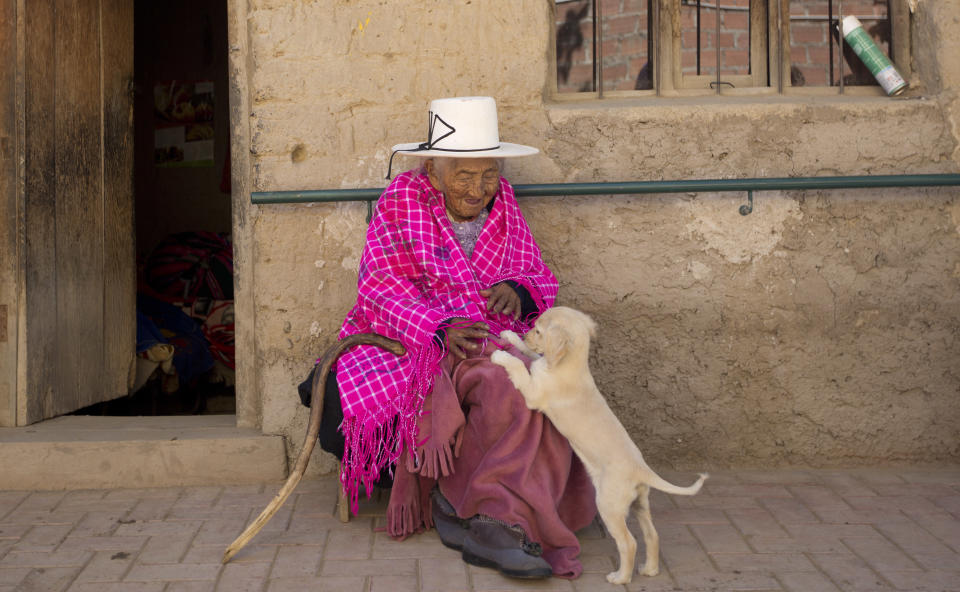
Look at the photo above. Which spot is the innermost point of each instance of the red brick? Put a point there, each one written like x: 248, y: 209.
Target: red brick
x: 808, y: 33
x: 735, y: 21
x: 737, y: 61
x: 621, y: 25
x: 611, y: 7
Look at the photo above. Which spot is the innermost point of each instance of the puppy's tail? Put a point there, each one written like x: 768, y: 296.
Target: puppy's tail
x: 658, y: 482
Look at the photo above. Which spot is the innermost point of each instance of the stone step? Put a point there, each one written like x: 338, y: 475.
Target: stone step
x: 86, y: 452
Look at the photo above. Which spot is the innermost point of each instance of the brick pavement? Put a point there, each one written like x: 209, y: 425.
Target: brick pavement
x: 789, y: 530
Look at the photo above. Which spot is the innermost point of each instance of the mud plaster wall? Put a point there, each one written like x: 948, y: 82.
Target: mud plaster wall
x: 822, y: 329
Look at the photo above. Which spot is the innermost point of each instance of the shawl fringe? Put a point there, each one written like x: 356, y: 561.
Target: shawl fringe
x: 376, y: 440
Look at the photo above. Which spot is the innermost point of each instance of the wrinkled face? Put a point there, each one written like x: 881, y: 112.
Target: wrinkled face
x: 467, y: 184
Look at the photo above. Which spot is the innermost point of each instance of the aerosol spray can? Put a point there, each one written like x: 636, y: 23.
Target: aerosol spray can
x: 872, y: 57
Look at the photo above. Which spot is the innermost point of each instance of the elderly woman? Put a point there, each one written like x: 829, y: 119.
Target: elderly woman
x: 449, y: 263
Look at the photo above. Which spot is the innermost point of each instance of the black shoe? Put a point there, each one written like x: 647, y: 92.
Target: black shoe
x: 451, y: 528
x: 491, y: 543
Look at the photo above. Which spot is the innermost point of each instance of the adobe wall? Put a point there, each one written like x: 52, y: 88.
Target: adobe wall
x: 822, y: 329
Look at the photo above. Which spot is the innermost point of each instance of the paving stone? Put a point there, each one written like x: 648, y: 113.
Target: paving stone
x: 928, y: 581
x: 62, y: 558
x: 118, y: 587
x: 662, y: 582
x: 845, y: 483
x: 10, y: 500
x: 48, y: 579
x: 40, y: 517
x: 106, y: 566
x: 150, y: 509
x: 850, y: 573
x: 950, y: 503
x: 13, y: 531
x: 685, y: 558
x: 946, y: 475
x: 720, y: 538
x: 943, y: 526
x: 443, y: 575
x: 104, y: 543
x: 172, y: 572
x: 214, y: 554
x: 369, y: 567
x: 799, y: 544
x: 756, y: 522
x: 789, y: 511
x: 143, y: 493
x: 42, y: 501
x: 90, y: 501
x: 793, y: 530
x: 243, y: 577
x: 591, y: 582
x: 750, y: 490
x: 689, y: 516
x: 199, y: 496
x: 98, y: 524
x: 874, y: 477
x: 599, y: 563
x: 422, y: 545
x: 195, y: 586
x: 165, y: 548
x: 12, y: 576
x: 393, y: 583
x: 330, y: 584
x: 715, y: 581
x: 297, y: 561
x: 348, y: 544
x: 938, y: 561
x: 488, y: 580
x: 762, y: 562
x: 832, y: 531
x: 160, y: 528
x: 808, y: 581
x: 925, y: 490
x: 779, y: 476
x: 913, y: 539
x: 914, y: 504
x: 221, y: 531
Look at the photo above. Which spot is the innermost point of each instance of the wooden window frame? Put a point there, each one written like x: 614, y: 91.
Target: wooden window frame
x: 770, y: 68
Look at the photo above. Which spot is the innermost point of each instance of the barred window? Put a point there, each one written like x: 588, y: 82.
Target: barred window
x: 721, y: 46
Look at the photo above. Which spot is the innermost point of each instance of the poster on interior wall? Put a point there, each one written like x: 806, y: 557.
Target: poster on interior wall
x: 183, y: 112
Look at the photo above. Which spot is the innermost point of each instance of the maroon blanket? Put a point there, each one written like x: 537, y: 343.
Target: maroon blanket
x: 494, y: 456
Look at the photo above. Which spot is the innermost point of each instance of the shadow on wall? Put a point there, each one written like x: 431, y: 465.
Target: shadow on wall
x: 569, y: 40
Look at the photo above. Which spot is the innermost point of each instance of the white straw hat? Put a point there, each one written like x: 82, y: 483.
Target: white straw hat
x: 464, y: 127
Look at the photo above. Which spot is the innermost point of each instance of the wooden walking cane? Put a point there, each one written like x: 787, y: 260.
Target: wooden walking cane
x: 313, y: 430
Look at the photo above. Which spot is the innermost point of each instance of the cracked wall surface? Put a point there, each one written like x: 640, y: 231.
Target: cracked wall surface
x: 822, y: 329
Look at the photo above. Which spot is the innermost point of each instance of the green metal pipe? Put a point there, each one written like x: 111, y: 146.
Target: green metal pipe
x: 639, y: 187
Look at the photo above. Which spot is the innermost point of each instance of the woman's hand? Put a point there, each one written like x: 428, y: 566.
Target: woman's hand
x: 502, y: 299
x: 462, y: 336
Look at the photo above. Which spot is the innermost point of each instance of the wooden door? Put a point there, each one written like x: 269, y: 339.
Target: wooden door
x: 76, y: 329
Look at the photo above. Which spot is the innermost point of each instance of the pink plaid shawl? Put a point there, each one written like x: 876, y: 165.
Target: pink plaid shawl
x: 414, y: 275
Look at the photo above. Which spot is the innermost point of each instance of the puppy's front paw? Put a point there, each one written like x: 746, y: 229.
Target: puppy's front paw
x: 500, y: 357
x: 510, y: 337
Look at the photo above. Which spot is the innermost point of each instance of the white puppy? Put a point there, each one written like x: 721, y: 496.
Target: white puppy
x: 559, y: 384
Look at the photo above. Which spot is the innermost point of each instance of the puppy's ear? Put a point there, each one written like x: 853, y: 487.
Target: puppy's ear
x: 557, y: 341
x: 592, y: 327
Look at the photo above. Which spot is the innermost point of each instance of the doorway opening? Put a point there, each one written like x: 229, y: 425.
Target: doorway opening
x: 185, y: 321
